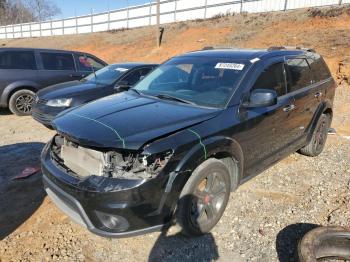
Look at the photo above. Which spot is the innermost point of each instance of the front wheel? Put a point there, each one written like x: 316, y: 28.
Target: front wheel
x: 21, y: 102
x: 319, y: 137
x: 204, y: 198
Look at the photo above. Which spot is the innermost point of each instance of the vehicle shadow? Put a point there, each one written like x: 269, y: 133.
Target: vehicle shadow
x: 19, y: 198
x: 288, y: 239
x: 179, y: 247
x: 4, y: 112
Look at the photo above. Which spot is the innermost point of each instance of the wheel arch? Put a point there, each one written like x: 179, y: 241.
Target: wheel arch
x: 223, y: 148
x: 323, y: 108
x: 14, y: 87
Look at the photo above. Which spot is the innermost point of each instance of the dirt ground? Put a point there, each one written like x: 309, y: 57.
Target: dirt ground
x: 264, y: 218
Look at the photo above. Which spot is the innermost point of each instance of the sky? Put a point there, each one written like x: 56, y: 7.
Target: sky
x: 83, y: 7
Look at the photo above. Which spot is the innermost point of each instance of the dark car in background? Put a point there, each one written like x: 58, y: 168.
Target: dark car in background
x: 51, y: 101
x: 24, y: 71
x: 182, y: 139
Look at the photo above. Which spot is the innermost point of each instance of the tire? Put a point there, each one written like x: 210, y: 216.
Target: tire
x: 325, y: 243
x: 204, y: 198
x: 21, y: 101
x: 319, y: 137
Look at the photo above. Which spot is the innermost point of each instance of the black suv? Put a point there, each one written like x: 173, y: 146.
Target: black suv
x: 51, y: 101
x: 24, y: 71
x: 184, y: 137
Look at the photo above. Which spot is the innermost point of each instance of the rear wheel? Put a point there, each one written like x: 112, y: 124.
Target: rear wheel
x: 21, y: 102
x: 204, y: 198
x: 319, y: 137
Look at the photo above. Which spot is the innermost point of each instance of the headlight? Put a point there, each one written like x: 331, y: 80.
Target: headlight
x: 60, y: 102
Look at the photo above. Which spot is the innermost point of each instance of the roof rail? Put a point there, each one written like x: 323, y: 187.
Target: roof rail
x: 272, y: 48
x: 217, y: 47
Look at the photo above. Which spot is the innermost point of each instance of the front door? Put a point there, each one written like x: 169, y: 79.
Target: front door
x: 265, y: 130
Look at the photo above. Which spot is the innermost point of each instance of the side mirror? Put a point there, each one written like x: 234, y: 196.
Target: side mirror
x: 262, y: 98
x: 122, y: 86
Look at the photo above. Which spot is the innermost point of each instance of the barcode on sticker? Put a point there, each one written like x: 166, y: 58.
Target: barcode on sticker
x: 230, y: 66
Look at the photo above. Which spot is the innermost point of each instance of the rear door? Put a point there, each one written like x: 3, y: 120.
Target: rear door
x: 17, y: 65
x: 57, y: 67
x: 300, y: 85
x: 265, y: 130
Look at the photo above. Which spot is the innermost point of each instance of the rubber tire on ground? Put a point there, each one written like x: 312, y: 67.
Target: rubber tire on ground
x: 186, y: 196
x: 12, y: 101
x: 310, y: 149
x: 325, y: 243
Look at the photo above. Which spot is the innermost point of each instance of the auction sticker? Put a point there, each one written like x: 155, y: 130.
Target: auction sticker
x: 230, y: 66
x: 120, y: 69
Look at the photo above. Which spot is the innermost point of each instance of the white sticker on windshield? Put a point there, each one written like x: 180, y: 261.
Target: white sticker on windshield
x: 254, y: 60
x: 120, y: 69
x: 230, y: 66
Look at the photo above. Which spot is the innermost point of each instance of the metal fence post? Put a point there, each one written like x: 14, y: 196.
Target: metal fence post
x: 40, y: 28
x: 340, y: 2
x: 51, y: 32
x: 241, y: 8
x: 127, y: 16
x: 205, y: 9
x: 5, y: 32
x: 63, y: 26
x: 285, y: 5
x: 150, y: 12
x: 92, y: 21
x: 30, y: 30
x: 21, y: 30
x: 175, y: 11
x: 109, y: 20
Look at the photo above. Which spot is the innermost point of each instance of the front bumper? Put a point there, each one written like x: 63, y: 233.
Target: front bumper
x: 141, y: 203
x: 45, y: 114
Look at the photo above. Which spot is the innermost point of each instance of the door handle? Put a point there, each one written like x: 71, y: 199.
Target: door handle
x: 289, y: 108
x: 318, y: 95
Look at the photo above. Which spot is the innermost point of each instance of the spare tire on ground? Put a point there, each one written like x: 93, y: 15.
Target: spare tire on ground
x: 325, y: 242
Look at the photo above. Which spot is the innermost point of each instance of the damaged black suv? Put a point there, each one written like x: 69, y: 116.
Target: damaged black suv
x: 173, y: 147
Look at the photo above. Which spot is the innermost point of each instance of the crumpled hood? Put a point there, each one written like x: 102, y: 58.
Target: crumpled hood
x: 67, y: 90
x: 127, y: 120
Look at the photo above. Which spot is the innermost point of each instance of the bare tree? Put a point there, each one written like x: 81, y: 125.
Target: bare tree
x: 23, y: 11
x: 43, y: 9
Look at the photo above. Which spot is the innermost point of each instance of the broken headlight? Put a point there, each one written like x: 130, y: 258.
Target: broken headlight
x: 142, y: 166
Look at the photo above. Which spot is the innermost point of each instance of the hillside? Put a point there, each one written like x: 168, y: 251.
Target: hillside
x: 327, y: 30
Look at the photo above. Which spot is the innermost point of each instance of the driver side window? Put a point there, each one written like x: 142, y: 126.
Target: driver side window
x: 272, y: 78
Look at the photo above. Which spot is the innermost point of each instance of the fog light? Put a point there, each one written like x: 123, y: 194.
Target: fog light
x: 114, y: 222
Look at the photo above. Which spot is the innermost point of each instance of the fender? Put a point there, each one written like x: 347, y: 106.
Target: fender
x: 218, y: 147
x: 322, y: 107
x: 17, y: 85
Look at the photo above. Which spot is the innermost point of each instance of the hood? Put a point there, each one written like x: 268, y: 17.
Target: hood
x: 127, y: 120
x: 67, y: 90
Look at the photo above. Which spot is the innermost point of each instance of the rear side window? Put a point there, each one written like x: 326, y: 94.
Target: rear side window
x: 17, y: 60
x: 298, y: 74
x: 272, y: 78
x: 87, y: 62
x: 319, y: 68
x: 58, y: 61
x: 136, y: 76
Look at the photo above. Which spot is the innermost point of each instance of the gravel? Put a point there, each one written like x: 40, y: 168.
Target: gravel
x: 264, y: 219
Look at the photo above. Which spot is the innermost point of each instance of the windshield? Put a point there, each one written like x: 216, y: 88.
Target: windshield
x: 201, y: 81
x: 107, y: 75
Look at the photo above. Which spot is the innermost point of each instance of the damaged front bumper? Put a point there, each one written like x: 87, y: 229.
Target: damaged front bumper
x: 108, y: 206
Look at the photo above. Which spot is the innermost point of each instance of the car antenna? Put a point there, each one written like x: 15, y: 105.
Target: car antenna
x: 92, y: 67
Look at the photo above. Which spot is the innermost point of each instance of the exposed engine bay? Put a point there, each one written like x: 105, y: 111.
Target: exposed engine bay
x: 86, y: 162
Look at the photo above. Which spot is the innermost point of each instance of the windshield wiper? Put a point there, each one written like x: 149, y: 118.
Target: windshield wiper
x: 136, y: 91
x: 173, y: 98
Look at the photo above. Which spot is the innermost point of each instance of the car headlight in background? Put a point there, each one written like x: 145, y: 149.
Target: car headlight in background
x: 60, y: 102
